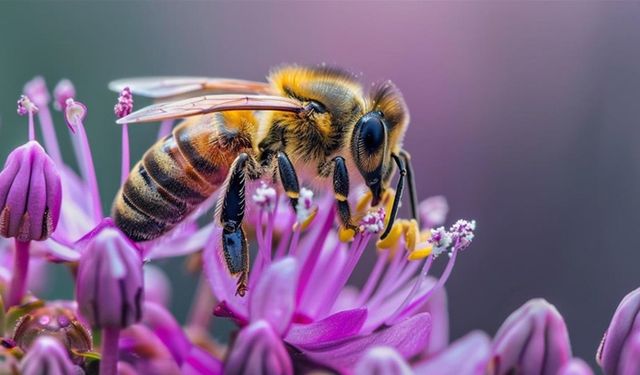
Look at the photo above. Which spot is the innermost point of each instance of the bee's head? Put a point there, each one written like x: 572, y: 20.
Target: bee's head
x: 378, y: 134
x: 370, y: 151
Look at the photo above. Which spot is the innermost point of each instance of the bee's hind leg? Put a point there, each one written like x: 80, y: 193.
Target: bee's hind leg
x: 234, y: 240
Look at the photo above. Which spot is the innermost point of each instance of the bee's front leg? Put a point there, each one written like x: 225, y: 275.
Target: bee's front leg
x: 413, y: 194
x: 234, y: 240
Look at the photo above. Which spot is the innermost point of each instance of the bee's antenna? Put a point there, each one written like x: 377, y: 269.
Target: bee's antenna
x: 398, y: 197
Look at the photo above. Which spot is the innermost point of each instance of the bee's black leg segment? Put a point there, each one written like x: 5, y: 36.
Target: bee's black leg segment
x: 236, y: 255
x: 234, y: 241
x: 413, y: 194
x: 398, y: 197
x: 341, y: 191
x: 289, y: 178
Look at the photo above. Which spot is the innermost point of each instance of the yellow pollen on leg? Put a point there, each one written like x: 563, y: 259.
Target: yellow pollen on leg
x: 421, y: 253
x: 364, y: 201
x: 346, y: 234
x: 305, y: 224
x: 293, y: 194
x: 393, y: 237
x: 411, y: 233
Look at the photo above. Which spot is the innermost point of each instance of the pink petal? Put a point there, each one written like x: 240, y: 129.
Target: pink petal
x: 335, y: 327
x: 199, y: 362
x: 220, y: 280
x: 273, y: 298
x: 168, y: 330
x: 408, y: 337
x: 59, y: 252
x: 184, y: 241
x: 436, y: 306
x: 466, y: 356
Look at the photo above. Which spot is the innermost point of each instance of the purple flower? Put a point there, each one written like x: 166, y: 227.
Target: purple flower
x: 47, y: 353
x: 533, y: 340
x: 298, y: 290
x: 620, y: 345
x: 299, y: 314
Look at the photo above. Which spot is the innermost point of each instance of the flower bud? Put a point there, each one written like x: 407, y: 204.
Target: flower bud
x: 109, y: 285
x: 620, y: 337
x: 30, y: 194
x: 47, y: 353
x: 576, y: 366
x: 382, y: 360
x: 533, y: 340
x: 468, y: 355
x: 258, y: 351
x: 54, y: 321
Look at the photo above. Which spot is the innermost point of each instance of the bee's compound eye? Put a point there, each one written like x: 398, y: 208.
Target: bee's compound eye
x: 372, y: 133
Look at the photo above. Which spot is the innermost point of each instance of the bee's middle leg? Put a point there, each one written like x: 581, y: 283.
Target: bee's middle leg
x: 288, y: 178
x: 338, y: 168
x: 234, y: 240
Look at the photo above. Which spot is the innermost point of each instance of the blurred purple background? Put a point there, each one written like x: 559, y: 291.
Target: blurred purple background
x: 524, y: 115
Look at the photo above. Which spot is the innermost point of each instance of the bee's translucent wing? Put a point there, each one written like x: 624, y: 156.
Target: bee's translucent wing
x: 212, y: 103
x: 166, y: 87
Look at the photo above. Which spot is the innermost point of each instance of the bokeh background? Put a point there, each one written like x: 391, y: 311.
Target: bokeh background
x: 525, y: 115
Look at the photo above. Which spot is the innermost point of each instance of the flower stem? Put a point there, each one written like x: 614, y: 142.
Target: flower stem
x: 124, y: 171
x: 109, y: 361
x: 419, y: 301
x: 20, y: 271
x: 32, y: 129
x: 89, y: 172
x: 165, y: 128
x: 202, y: 306
x: 49, y: 135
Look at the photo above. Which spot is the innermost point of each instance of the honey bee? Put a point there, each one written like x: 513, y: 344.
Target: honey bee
x: 316, y: 121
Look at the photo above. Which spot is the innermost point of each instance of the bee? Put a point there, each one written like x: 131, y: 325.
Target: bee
x: 314, y: 121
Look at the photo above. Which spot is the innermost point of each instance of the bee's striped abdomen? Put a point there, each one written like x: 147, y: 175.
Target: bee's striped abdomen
x: 174, y: 176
